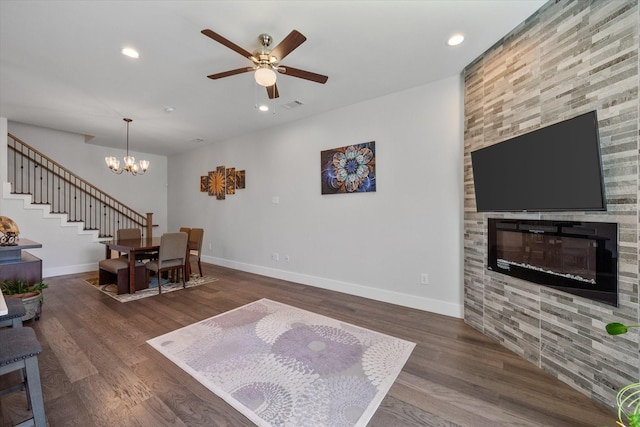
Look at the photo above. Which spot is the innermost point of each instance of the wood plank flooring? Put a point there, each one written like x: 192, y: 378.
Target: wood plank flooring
x: 97, y: 369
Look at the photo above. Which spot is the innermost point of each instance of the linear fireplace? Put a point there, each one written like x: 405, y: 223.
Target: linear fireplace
x: 580, y: 258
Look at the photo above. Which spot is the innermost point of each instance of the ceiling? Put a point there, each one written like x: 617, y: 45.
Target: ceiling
x: 61, y: 66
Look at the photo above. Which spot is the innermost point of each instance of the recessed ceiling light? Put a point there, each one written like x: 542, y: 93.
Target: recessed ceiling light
x: 455, y: 40
x: 293, y: 104
x: 263, y: 107
x: 130, y: 52
x: 169, y: 109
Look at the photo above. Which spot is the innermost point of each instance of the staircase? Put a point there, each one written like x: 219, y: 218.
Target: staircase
x: 57, y: 208
x: 40, y: 181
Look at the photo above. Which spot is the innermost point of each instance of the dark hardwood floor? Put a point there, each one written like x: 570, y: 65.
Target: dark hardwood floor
x: 97, y: 369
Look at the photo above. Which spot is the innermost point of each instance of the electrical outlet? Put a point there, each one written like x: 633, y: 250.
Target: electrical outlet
x: 275, y: 256
x: 424, y: 279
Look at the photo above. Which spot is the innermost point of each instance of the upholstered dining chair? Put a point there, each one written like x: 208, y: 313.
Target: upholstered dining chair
x: 185, y: 230
x: 188, y: 231
x: 171, y: 256
x: 195, y: 247
x: 128, y: 233
x: 135, y: 233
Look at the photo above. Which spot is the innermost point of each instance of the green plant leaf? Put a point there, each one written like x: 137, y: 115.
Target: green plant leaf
x: 616, y: 328
x: 16, y: 287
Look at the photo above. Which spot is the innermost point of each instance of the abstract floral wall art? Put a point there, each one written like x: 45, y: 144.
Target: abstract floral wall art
x: 349, y: 169
x: 231, y: 180
x: 217, y: 183
x: 240, y: 177
x: 222, y: 181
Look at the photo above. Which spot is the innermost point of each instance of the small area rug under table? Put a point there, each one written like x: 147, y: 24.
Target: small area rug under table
x: 283, y: 366
x: 111, y: 289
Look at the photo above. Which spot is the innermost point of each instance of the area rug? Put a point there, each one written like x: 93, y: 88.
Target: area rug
x: 282, y: 366
x: 111, y: 289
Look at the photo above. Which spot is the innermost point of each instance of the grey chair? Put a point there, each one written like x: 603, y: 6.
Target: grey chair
x: 195, y: 248
x: 16, y: 312
x: 171, y: 256
x: 19, y: 351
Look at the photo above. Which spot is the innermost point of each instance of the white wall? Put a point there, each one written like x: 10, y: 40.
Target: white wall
x: 371, y: 244
x: 65, y: 248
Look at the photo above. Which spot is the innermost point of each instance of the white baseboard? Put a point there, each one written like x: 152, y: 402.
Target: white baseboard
x: 405, y: 300
x: 70, y: 269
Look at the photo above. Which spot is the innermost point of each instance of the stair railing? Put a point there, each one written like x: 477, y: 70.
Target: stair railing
x: 49, y: 183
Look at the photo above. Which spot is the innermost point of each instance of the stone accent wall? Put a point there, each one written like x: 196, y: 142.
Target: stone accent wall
x: 570, y: 57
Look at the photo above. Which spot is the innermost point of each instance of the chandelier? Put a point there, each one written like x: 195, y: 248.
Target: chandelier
x: 130, y: 164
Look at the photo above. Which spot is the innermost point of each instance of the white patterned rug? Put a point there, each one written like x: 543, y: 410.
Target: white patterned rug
x: 112, y: 289
x: 283, y: 366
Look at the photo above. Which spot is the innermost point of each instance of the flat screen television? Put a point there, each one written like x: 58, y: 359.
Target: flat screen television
x: 555, y: 168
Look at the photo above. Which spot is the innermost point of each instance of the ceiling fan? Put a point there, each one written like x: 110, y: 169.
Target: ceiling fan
x: 266, y: 61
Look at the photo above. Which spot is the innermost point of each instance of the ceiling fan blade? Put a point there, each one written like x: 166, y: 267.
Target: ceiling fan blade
x: 230, y: 73
x: 286, y: 46
x: 272, y: 91
x: 302, y: 74
x: 217, y: 37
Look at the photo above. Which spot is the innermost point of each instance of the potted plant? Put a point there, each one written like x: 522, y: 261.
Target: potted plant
x: 31, y: 295
x: 628, y: 398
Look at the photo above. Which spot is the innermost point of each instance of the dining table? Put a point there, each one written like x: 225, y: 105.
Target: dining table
x: 132, y: 247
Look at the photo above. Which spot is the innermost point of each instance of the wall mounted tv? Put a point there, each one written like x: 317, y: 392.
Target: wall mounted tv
x: 555, y: 168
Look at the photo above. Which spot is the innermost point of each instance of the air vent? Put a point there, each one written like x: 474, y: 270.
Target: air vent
x: 293, y: 104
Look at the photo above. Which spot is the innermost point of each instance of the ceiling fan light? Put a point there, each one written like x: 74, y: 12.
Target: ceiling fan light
x: 265, y: 77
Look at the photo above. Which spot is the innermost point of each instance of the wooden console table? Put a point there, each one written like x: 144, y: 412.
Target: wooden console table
x: 17, y: 264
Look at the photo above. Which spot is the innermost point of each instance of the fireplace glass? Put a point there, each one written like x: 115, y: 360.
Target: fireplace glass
x: 580, y: 258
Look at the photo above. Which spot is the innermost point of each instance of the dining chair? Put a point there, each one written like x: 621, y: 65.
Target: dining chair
x: 171, y: 256
x: 188, y: 231
x: 195, y: 247
x: 135, y: 233
x: 128, y: 233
